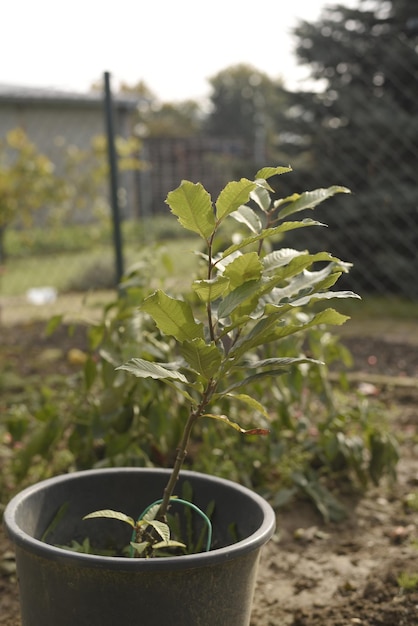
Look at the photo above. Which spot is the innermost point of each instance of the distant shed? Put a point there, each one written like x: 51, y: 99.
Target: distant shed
x: 52, y: 117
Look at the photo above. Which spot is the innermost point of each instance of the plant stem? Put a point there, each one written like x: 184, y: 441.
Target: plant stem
x: 182, y: 448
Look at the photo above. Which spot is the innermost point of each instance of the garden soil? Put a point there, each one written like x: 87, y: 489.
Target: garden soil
x: 311, y: 573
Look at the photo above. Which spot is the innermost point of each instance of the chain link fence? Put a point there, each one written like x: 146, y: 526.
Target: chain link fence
x: 366, y: 138
x: 368, y: 142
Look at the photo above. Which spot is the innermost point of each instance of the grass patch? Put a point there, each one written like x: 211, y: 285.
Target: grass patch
x: 81, y: 257
x: 95, y: 268
x: 380, y: 307
x: 71, y: 238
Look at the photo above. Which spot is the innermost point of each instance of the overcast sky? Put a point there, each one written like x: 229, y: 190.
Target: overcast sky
x: 174, y: 46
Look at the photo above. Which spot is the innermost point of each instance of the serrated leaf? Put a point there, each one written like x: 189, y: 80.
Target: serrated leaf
x: 284, y: 362
x: 329, y: 316
x: 255, y: 377
x: 270, y: 232
x: 245, y: 215
x: 209, y: 290
x: 304, y: 260
x: 168, y: 544
x: 192, y: 205
x: 328, y: 295
x: 282, y: 365
x: 261, y: 196
x: 307, y: 200
x: 110, y: 514
x: 224, y: 419
x: 202, y: 357
x: 244, y: 268
x: 233, y: 195
x: 148, y: 369
x: 249, y: 401
x: 301, y: 282
x: 151, y: 513
x: 160, y: 527
x: 261, y: 333
x: 173, y: 317
x: 269, y: 329
x: 237, y: 297
x: 267, y: 172
x: 279, y: 258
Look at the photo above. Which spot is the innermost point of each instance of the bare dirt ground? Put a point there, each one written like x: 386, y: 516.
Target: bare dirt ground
x: 312, y: 574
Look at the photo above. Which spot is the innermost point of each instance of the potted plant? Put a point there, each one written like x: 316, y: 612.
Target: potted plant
x: 245, y: 301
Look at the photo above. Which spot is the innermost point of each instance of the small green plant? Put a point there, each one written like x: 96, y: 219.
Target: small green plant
x: 407, y: 581
x: 252, y: 297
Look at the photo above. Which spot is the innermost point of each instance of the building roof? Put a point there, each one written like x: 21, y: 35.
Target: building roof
x: 22, y: 94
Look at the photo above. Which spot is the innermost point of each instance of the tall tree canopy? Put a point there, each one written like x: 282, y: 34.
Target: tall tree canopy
x: 163, y: 119
x: 358, y: 126
x: 244, y: 102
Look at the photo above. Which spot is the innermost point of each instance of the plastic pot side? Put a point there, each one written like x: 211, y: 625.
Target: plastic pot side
x: 58, y: 586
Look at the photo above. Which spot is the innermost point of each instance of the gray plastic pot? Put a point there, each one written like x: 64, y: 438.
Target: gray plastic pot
x: 60, y: 587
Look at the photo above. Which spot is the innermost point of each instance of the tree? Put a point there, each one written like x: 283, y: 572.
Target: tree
x: 70, y: 189
x: 163, y: 119
x: 27, y: 182
x: 243, y: 105
x: 359, y: 127
x: 85, y: 173
x: 169, y: 119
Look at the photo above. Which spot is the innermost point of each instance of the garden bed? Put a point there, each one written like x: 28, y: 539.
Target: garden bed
x: 311, y: 574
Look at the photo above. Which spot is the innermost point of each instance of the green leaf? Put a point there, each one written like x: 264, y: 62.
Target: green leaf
x: 307, y: 200
x: 192, y: 205
x: 328, y: 316
x: 244, y: 268
x: 90, y: 372
x: 168, y: 544
x: 140, y: 547
x: 53, y: 323
x: 269, y: 329
x: 209, y: 290
x: 160, y: 527
x: 249, y: 380
x: 173, y: 317
x: 301, y: 282
x: 270, y: 232
x: 237, y: 297
x: 284, y: 362
x: 300, y: 262
x: 329, y: 507
x: 282, y: 365
x: 267, y: 172
x: 279, y: 258
x: 151, y: 513
x: 328, y: 295
x: 232, y: 196
x: 261, y: 333
x: 203, y: 358
x: 148, y: 369
x: 249, y: 401
x: 110, y: 514
x: 95, y: 336
x: 235, y: 426
x: 261, y: 196
x: 245, y: 215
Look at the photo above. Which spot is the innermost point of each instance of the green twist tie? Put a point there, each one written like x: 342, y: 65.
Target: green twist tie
x: 186, y: 503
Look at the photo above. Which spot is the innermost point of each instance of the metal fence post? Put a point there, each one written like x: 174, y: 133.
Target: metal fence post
x: 113, y: 178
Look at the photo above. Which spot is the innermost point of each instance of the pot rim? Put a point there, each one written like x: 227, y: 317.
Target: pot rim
x: 42, y: 549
